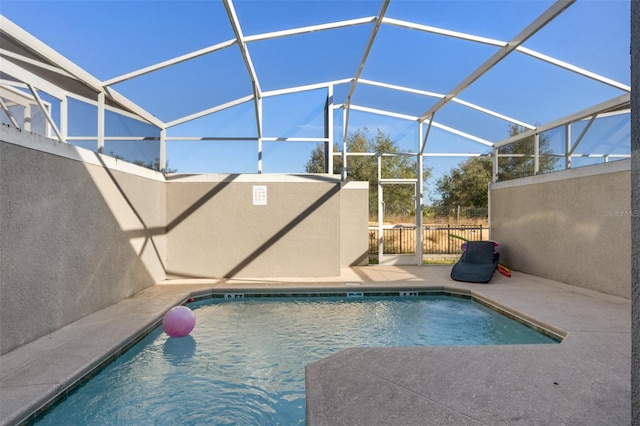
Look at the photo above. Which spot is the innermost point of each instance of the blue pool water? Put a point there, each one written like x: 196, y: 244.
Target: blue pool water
x: 244, y: 361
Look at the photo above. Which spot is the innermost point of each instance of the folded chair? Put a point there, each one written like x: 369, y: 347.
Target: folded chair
x: 477, y: 263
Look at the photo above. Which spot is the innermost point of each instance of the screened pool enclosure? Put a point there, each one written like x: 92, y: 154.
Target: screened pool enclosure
x: 258, y: 86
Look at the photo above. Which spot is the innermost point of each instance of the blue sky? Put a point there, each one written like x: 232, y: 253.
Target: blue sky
x: 111, y: 38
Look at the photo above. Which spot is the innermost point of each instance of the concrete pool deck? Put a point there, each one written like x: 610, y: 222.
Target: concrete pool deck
x: 584, y: 380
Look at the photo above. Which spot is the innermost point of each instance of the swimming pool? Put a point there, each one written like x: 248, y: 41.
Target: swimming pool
x: 244, y: 361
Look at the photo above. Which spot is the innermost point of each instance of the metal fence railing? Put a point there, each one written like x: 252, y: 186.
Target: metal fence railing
x: 400, y: 239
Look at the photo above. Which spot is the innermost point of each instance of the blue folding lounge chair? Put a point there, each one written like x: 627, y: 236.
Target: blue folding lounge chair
x: 477, y: 263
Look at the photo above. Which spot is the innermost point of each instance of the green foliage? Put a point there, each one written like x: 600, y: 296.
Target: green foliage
x: 316, y: 161
x: 399, y: 199
x: 467, y: 185
x: 516, y: 167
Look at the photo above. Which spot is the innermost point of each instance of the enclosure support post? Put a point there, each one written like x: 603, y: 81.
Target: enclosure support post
x: 162, y: 162
x: 536, y: 154
x: 328, y: 132
x: 380, y: 212
x: 64, y: 117
x: 259, y: 120
x: 344, y: 148
x: 47, y: 114
x: 567, y: 138
x: 419, y: 192
x: 101, y: 122
x: 26, y: 122
x: 7, y: 112
x: 494, y: 178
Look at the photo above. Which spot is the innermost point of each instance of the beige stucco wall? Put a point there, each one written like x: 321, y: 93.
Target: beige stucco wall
x: 635, y: 220
x: 354, y: 230
x: 76, y: 236
x: 81, y: 231
x: 572, y: 226
x: 215, y: 230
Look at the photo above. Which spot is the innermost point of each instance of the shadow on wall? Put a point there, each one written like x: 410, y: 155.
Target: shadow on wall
x: 224, y: 234
x: 130, y: 217
x: 335, y: 189
x: 570, y: 227
x: 72, y: 240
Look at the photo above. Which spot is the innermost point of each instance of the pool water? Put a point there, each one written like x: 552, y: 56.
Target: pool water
x: 244, y: 361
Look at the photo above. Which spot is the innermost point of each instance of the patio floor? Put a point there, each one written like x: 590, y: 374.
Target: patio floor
x: 584, y: 380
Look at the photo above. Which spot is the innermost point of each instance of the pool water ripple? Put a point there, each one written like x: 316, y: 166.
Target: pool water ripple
x: 244, y: 361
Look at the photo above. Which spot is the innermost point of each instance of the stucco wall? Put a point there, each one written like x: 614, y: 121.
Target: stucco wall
x: 354, y: 220
x: 635, y: 220
x: 571, y: 226
x: 76, y: 236
x: 81, y: 231
x: 215, y: 230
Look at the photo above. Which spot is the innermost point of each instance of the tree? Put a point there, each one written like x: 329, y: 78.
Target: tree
x: 467, y: 185
x: 399, y: 199
x: 316, y: 161
x: 521, y: 166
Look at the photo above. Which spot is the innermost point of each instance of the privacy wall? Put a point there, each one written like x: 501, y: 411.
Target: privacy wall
x: 571, y: 226
x: 264, y: 226
x: 79, y: 233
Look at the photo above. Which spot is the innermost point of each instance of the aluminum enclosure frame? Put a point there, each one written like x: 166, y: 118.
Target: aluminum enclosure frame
x: 29, y: 64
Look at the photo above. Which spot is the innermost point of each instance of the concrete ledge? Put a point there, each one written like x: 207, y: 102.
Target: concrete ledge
x: 584, y: 380
x: 37, y: 142
x: 576, y: 172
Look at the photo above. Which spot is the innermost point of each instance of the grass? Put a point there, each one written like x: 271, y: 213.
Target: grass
x: 439, y: 220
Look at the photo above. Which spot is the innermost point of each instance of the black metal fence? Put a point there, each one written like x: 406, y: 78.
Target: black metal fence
x: 435, y: 239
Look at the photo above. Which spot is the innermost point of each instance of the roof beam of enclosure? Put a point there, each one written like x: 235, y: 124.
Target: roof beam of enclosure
x: 247, y: 98
x: 432, y: 123
x: 133, y: 107
x: 120, y: 111
x: 49, y: 54
x: 500, y: 43
x: 574, y: 69
x: 546, y: 17
x: 237, y: 30
x: 27, y: 77
x: 581, y: 136
x: 363, y: 61
x: 47, y: 113
x: 208, y: 111
x: 39, y: 64
x: 383, y: 112
x: 615, y: 104
x: 442, y: 31
x: 304, y: 88
x: 8, y: 113
x: 170, y: 62
x: 456, y: 100
x: 293, y: 139
x: 310, y: 29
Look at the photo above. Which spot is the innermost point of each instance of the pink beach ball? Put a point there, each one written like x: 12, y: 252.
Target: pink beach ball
x: 179, y: 321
